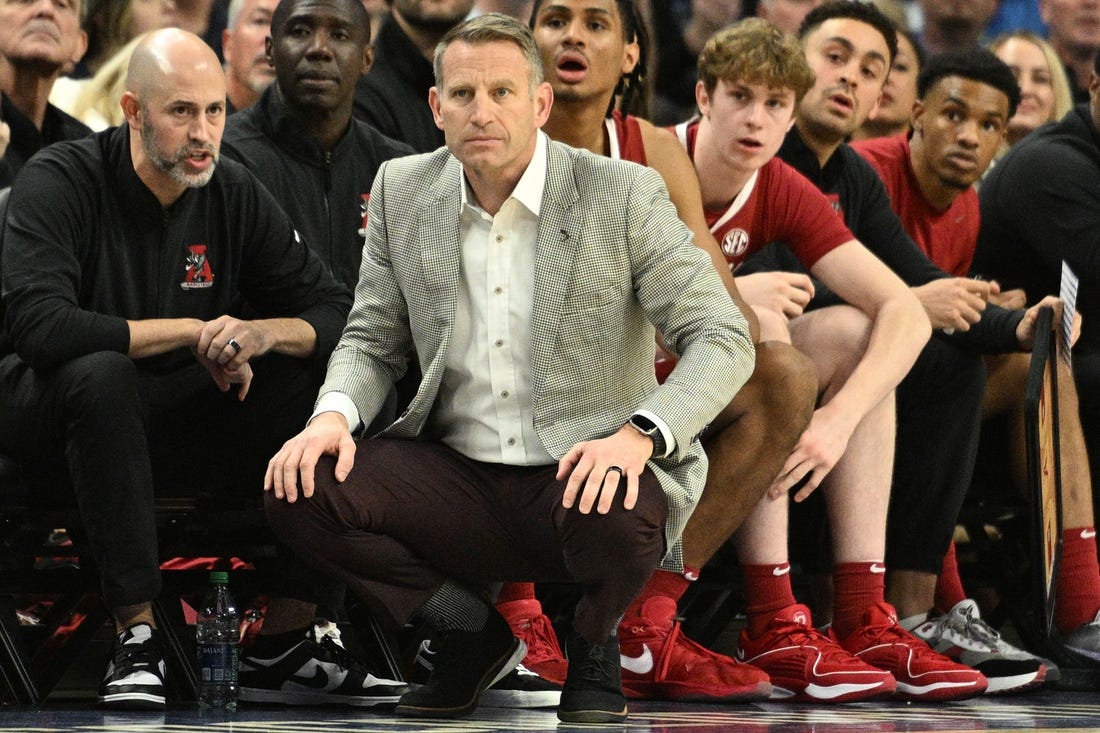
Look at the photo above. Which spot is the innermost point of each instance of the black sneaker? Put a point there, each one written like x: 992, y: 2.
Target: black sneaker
x: 135, y: 676
x: 465, y: 663
x: 520, y: 688
x: 593, y: 690
x: 317, y: 670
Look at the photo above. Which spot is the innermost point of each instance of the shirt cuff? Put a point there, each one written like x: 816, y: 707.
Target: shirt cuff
x: 666, y: 433
x: 339, y: 402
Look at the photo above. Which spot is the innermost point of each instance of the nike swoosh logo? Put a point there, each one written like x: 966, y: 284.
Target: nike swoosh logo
x: 1088, y: 534
x: 424, y: 656
x: 778, y: 572
x: 877, y: 569
x: 690, y: 576
x: 638, y: 665
x: 320, y: 679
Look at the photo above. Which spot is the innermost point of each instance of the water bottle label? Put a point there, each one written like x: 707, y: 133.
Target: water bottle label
x: 218, y: 663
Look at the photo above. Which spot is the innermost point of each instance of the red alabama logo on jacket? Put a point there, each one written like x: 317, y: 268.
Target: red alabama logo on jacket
x: 363, y: 210
x: 197, y: 272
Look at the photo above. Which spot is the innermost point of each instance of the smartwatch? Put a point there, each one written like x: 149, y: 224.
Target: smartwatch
x: 647, y: 427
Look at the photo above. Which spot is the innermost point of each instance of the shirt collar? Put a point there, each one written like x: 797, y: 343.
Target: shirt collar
x: 532, y: 183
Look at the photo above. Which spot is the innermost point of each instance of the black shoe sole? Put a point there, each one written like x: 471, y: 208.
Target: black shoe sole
x: 505, y: 664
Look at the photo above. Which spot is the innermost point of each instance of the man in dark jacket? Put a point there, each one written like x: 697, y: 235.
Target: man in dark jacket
x: 301, y: 139
x: 393, y: 97
x: 319, y: 164
x: 124, y: 254
x: 1040, y: 210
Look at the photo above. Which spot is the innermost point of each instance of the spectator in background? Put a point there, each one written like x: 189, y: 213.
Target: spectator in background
x: 97, y: 101
x: 111, y: 24
x: 393, y: 97
x: 518, y: 9
x: 205, y: 18
x: 891, y: 115
x: 1045, y: 95
x: 1074, y: 32
x: 950, y: 25
x: 680, y: 28
x: 247, y: 67
x: 1017, y: 15
x: 30, y: 64
x: 377, y: 10
x: 786, y: 15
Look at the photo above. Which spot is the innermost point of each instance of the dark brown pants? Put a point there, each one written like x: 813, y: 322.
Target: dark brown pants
x: 411, y: 514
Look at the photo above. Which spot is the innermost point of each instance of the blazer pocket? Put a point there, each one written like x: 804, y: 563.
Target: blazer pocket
x: 589, y: 300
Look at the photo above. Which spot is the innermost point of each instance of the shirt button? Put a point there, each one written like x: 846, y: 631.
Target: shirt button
x: 500, y: 237
x: 498, y: 343
x: 504, y: 394
x: 511, y: 441
x: 498, y: 291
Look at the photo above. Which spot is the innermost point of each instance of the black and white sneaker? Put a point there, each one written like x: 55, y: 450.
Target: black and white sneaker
x: 521, y: 688
x: 317, y: 670
x: 464, y: 665
x: 135, y: 676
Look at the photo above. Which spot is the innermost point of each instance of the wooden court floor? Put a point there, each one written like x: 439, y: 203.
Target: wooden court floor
x: 1045, y: 710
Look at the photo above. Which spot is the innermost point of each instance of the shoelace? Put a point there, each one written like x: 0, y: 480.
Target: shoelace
x: 597, y: 667
x: 978, y: 629
x: 542, y: 644
x: 131, y: 655
x: 328, y: 638
x: 811, y: 637
x: 894, y: 634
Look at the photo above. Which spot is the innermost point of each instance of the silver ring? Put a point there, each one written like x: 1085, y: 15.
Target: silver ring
x: 234, y: 345
x: 613, y: 468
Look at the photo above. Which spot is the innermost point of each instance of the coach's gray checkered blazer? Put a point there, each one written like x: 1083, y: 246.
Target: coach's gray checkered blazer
x: 611, y: 258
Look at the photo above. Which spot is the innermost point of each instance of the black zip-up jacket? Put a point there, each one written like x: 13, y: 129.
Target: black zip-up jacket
x: 393, y: 96
x: 324, y: 193
x: 87, y: 246
x: 860, y: 195
x: 1041, y: 205
x: 26, y: 139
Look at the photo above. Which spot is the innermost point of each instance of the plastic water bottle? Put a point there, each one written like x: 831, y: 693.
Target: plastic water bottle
x: 217, y: 633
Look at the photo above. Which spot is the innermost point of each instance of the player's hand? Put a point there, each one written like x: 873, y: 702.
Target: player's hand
x: 786, y: 293
x: 1025, y: 329
x: 591, y: 468
x: 818, y: 449
x: 326, y: 433
x: 1011, y: 299
x: 954, y: 303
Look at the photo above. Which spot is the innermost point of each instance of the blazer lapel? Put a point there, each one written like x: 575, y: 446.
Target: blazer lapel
x: 554, y: 255
x: 438, y: 240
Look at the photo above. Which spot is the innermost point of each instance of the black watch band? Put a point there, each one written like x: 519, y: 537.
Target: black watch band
x: 647, y: 427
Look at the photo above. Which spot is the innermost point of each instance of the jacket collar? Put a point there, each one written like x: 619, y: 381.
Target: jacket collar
x: 279, y: 122
x: 139, y: 203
